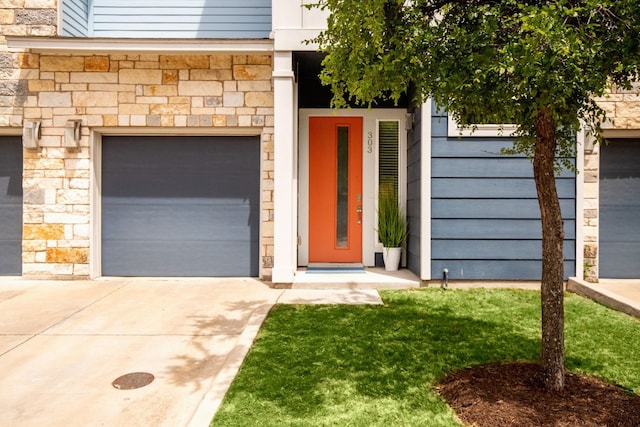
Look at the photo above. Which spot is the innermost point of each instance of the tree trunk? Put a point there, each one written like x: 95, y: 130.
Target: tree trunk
x: 552, y: 257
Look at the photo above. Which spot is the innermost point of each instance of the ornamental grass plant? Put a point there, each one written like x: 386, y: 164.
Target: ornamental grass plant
x: 392, y: 225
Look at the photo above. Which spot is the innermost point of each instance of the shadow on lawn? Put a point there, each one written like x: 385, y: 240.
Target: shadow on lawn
x: 306, y: 356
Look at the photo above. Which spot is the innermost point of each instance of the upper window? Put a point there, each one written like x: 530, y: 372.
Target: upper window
x: 388, y: 158
x: 479, y: 130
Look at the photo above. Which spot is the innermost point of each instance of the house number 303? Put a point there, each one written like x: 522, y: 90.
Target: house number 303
x: 370, y: 142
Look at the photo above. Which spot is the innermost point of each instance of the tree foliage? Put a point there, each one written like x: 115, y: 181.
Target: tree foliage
x: 500, y: 61
x: 533, y: 63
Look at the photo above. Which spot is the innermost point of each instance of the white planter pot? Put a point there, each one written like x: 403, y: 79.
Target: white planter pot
x: 391, y: 257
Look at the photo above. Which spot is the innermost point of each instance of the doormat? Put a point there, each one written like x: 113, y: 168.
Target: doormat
x: 335, y: 269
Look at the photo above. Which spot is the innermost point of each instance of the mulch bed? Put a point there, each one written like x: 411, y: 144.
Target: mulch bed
x: 513, y: 395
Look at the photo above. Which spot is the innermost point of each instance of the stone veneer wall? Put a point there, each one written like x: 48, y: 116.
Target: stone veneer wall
x: 590, y: 221
x: 128, y: 91
x: 188, y: 92
x: 20, y: 18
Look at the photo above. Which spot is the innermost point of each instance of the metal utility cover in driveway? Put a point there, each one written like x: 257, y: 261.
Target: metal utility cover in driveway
x: 180, y: 206
x: 10, y: 206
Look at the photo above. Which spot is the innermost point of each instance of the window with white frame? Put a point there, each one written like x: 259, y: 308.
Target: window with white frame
x: 391, y: 162
x: 479, y: 129
x: 388, y: 158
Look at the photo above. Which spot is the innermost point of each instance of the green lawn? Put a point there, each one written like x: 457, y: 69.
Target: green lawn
x: 376, y: 365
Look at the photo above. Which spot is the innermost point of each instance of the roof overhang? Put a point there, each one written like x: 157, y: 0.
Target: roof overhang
x: 150, y: 46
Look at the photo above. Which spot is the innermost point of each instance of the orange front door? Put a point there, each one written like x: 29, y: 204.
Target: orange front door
x: 335, y: 189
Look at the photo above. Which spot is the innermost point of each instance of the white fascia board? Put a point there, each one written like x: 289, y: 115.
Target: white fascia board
x: 117, y: 45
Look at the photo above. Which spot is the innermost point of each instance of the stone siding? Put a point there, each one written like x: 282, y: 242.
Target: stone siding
x: 21, y: 18
x: 28, y: 18
x: 188, y: 92
x: 590, y: 211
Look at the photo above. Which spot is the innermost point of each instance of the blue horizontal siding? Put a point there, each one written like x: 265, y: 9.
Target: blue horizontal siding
x: 487, y: 168
x: 443, y: 146
x: 453, y: 228
x: 485, y: 215
x: 493, y: 270
x: 75, y: 18
x: 495, y: 208
x: 182, y: 19
x: 483, y: 188
x: 494, y: 249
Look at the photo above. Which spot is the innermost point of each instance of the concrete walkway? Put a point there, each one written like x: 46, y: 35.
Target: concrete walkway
x: 62, y: 345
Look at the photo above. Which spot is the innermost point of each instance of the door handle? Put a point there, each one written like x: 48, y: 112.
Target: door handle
x: 359, y: 211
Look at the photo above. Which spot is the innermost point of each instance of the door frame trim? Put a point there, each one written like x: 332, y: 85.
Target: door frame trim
x: 370, y: 118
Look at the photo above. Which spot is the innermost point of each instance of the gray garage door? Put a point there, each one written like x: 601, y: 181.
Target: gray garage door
x: 10, y: 206
x: 620, y: 209
x: 180, y: 206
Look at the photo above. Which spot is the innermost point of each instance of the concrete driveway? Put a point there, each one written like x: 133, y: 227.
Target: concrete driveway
x: 62, y: 345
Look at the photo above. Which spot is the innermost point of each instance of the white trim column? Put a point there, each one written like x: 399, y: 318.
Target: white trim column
x: 285, y: 192
x: 425, y: 191
x: 95, y: 203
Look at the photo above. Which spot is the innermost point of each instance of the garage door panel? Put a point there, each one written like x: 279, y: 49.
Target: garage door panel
x: 171, y: 222
x: 11, y: 259
x: 618, y: 226
x: 10, y: 206
x: 10, y: 219
x: 207, y: 186
x: 209, y: 171
x: 10, y: 186
x: 622, y: 260
x: 194, y: 259
x: 620, y: 209
x: 191, y: 201
x: 620, y: 192
x: 180, y: 206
